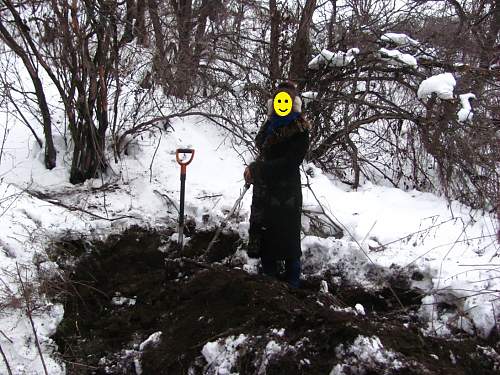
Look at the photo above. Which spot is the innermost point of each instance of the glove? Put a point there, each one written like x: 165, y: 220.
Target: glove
x: 248, y: 176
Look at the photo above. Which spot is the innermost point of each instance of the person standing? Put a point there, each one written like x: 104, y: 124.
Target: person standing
x: 275, y: 219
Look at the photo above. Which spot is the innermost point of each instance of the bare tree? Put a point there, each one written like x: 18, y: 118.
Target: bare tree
x: 78, y: 51
x: 10, y: 41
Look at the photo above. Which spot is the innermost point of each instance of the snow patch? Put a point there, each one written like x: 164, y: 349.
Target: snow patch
x: 400, y: 39
x: 441, y: 84
x: 465, y: 113
x: 328, y: 58
x: 366, y: 353
x: 309, y: 96
x: 360, y: 309
x: 152, y: 340
x: 278, y: 332
x: 221, y: 355
x: 118, y: 300
x: 272, y: 349
x: 395, y: 56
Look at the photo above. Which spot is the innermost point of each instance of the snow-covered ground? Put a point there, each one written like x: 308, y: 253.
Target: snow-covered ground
x: 452, y: 246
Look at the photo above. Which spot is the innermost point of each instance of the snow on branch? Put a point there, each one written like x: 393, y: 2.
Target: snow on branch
x: 441, y: 84
x: 397, y: 57
x: 328, y: 58
x: 465, y: 113
x: 399, y: 39
x: 309, y: 96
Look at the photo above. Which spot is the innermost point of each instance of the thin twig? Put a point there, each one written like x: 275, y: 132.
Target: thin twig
x: 209, y: 196
x: 5, y: 360
x: 7, y: 337
x: 368, y: 233
x: 494, y: 317
x: 153, y: 158
x: 80, y: 364
x: 16, y: 197
x: 479, y: 265
x: 167, y: 198
x: 46, y: 198
x: 6, y: 131
x: 30, y: 317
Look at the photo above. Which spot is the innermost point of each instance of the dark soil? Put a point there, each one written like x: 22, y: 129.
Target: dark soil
x: 193, y: 302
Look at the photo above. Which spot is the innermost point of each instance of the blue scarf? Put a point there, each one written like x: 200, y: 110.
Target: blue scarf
x: 276, y: 122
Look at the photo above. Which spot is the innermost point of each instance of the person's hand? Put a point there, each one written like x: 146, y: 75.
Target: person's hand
x: 248, y: 176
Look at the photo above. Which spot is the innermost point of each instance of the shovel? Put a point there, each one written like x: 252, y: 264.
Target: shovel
x: 223, y: 224
x: 183, y: 165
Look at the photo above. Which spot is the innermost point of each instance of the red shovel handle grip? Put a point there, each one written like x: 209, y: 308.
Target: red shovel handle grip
x: 184, y: 151
x: 183, y: 164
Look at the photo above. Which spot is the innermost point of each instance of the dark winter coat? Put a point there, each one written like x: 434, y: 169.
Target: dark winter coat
x: 275, y: 219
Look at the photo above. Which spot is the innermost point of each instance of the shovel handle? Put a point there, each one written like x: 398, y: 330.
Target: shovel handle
x: 183, y: 164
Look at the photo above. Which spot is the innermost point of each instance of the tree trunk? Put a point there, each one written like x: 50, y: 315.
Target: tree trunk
x: 128, y: 34
x: 274, y: 67
x: 140, y: 24
x: 331, y: 25
x: 88, y: 156
x: 182, y: 80
x: 163, y: 71
x: 199, y: 36
x: 488, y: 50
x: 300, y: 49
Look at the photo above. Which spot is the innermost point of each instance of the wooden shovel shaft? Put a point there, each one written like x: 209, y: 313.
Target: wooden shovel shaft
x: 224, y: 222
x: 183, y: 164
x: 180, y: 239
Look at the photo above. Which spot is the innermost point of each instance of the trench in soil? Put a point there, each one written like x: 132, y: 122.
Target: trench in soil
x: 119, y: 292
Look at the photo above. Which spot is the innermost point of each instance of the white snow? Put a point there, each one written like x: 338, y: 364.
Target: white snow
x: 328, y: 58
x: 272, y: 348
x: 465, y: 113
x: 365, y: 353
x: 119, y: 300
x: 309, y: 96
x: 238, y: 86
x: 152, y: 340
x: 323, y: 288
x: 26, y: 224
x: 278, y: 332
x: 400, y: 39
x: 427, y: 53
x: 360, y: 309
x: 221, y: 355
x: 419, y: 232
x: 400, y: 58
x: 441, y: 84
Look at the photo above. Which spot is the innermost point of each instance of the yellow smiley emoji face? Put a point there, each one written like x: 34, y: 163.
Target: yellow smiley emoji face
x: 282, y: 103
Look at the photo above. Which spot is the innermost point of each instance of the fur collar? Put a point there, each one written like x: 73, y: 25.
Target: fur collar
x: 296, y: 107
x: 298, y: 126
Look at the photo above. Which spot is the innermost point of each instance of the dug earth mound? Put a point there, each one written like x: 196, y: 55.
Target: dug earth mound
x: 128, y: 310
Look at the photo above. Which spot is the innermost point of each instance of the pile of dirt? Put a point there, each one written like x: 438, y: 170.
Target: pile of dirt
x: 122, y: 291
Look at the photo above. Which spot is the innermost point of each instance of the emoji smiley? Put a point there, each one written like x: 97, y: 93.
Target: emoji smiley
x: 282, y: 103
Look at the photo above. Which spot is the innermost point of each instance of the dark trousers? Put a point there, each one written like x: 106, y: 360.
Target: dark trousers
x: 292, y: 270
